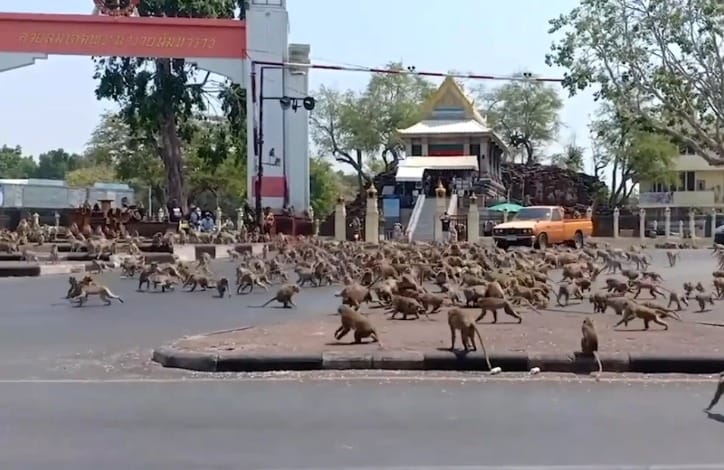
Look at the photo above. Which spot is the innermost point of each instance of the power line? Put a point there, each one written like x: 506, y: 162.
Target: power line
x: 411, y: 71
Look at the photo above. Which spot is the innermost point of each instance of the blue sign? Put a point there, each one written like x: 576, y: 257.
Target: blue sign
x: 391, y: 207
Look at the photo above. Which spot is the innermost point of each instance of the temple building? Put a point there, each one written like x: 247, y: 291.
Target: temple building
x: 451, y: 143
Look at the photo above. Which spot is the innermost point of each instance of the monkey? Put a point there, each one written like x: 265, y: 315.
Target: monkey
x: 672, y: 256
x: 567, y: 291
x: 663, y: 311
x: 431, y: 301
x: 584, y: 284
x: 222, y: 287
x: 306, y: 275
x: 406, y: 306
x: 284, y: 296
x: 165, y: 281
x: 54, y: 257
x: 688, y: 289
x: 464, y: 322
x: 589, y: 342
x: 249, y: 280
x: 29, y: 256
x: 199, y: 280
x: 653, y: 276
x: 702, y: 299
x: 719, y: 286
x: 699, y: 287
x: 617, y: 285
x: 618, y: 304
x: 650, y: 286
x: 677, y: 299
x: 717, y: 394
x: 630, y: 274
x: 647, y: 314
x: 96, y: 267
x: 351, y: 319
x: 598, y: 299
x: 493, y: 304
x: 88, y: 287
x: 612, y: 265
x: 74, y: 289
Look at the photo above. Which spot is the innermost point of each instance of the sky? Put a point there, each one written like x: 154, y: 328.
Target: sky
x: 52, y: 105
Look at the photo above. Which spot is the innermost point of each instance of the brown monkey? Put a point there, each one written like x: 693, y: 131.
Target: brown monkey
x: 222, y: 287
x: 305, y: 275
x: 567, y: 291
x: 248, y: 280
x: 199, y: 280
x: 673, y: 257
x: 598, y: 299
x: 353, y: 320
x: 654, y: 276
x: 493, y: 304
x: 583, y: 283
x: 406, y: 306
x: 54, y: 257
x: 284, y: 296
x: 589, y: 341
x: 703, y: 299
x: 431, y: 301
x: 677, y: 299
x: 647, y: 314
x: 463, y: 322
x: 88, y: 287
x: 618, y: 304
x: 617, y: 285
x: 688, y: 289
x: 653, y: 289
x: 74, y: 289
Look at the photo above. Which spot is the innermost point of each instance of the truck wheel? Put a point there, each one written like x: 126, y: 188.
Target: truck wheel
x: 502, y: 245
x: 578, y: 240
x: 541, y: 242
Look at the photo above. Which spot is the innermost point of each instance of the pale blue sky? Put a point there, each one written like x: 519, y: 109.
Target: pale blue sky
x: 51, y: 104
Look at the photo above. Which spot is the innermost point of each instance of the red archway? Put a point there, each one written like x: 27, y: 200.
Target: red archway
x: 95, y: 35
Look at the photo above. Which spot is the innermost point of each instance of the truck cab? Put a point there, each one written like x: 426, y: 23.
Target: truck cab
x: 541, y: 227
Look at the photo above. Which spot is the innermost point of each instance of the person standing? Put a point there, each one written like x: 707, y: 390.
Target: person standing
x: 445, y: 219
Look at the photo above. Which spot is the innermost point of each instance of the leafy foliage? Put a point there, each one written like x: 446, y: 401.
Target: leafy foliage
x: 525, y: 112
x: 159, y: 97
x: 635, y: 154
x: 56, y: 163
x: 90, y: 175
x: 658, y: 62
x: 14, y: 165
x: 324, y: 186
x: 357, y: 127
x: 572, y: 157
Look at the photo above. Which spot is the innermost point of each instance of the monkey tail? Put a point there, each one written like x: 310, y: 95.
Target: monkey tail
x: 598, y: 361
x: 485, y: 351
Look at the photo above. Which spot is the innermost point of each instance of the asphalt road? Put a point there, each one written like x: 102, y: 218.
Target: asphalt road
x: 370, y: 423
x: 44, y: 336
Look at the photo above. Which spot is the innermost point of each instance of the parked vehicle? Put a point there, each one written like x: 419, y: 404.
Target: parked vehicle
x: 540, y: 227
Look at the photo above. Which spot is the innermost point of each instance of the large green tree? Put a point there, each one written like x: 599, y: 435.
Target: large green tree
x: 658, y: 61
x: 634, y: 154
x: 159, y: 97
x: 355, y: 127
x: 525, y: 112
x: 14, y: 165
x: 324, y: 186
x: 55, y: 164
x: 571, y: 158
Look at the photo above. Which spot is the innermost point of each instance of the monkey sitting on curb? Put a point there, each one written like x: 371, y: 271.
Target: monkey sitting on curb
x: 465, y: 324
x: 589, y: 343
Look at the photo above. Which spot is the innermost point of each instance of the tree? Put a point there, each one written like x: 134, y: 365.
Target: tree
x: 658, y: 62
x: 14, y: 165
x: 56, y: 164
x: 571, y: 158
x: 635, y: 154
x: 351, y: 126
x: 90, y: 175
x: 159, y: 96
x: 324, y: 186
x: 525, y: 112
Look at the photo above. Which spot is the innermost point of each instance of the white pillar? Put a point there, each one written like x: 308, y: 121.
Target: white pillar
x: 713, y: 222
x: 440, y: 208
x: 473, y: 220
x: 681, y: 228
x: 692, y: 226
x: 340, y: 220
x: 642, y: 223
x: 667, y: 222
x: 616, y: 215
x: 372, y: 217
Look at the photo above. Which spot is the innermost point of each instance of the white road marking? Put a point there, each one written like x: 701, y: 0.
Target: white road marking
x: 527, y: 467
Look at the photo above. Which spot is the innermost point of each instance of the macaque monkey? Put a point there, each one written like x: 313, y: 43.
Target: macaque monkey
x: 465, y: 324
x: 88, y: 287
x: 493, y: 304
x: 567, y: 291
x: 677, y: 299
x: 54, y: 257
x: 703, y: 299
x: 589, y: 342
x: 248, y: 280
x: 284, y: 296
x: 74, y: 289
x: 353, y: 320
x: 673, y: 257
x: 647, y: 314
x: 222, y: 287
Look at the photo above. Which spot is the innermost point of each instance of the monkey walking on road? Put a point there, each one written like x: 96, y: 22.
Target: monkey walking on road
x: 717, y: 394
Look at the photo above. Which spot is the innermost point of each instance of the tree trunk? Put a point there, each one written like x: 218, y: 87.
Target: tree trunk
x: 170, y: 153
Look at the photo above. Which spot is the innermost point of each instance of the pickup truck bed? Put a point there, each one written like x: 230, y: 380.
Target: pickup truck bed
x: 540, y: 227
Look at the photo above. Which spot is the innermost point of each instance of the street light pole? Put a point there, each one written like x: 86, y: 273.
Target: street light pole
x: 285, y: 102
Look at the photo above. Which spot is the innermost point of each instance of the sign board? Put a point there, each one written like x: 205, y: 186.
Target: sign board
x: 391, y: 207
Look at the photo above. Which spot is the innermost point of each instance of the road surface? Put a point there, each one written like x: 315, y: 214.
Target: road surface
x: 356, y: 423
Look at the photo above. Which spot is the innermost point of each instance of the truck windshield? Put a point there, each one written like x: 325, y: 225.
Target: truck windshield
x: 533, y: 213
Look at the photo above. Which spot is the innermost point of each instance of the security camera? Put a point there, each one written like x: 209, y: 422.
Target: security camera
x: 285, y: 102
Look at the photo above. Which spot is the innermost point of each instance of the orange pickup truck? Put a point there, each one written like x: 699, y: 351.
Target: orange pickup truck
x: 540, y: 227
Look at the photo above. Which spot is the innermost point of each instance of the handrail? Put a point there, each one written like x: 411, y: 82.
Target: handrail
x: 415, y: 216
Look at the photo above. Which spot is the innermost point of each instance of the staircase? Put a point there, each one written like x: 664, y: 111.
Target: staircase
x: 425, y: 229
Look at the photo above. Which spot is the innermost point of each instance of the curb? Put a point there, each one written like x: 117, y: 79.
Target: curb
x: 575, y: 363
x: 20, y: 270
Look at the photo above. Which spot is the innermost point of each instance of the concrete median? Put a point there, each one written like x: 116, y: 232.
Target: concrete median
x: 438, y: 360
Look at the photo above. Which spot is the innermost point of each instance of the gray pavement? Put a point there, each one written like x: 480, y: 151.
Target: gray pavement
x: 347, y: 423
x: 44, y: 336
